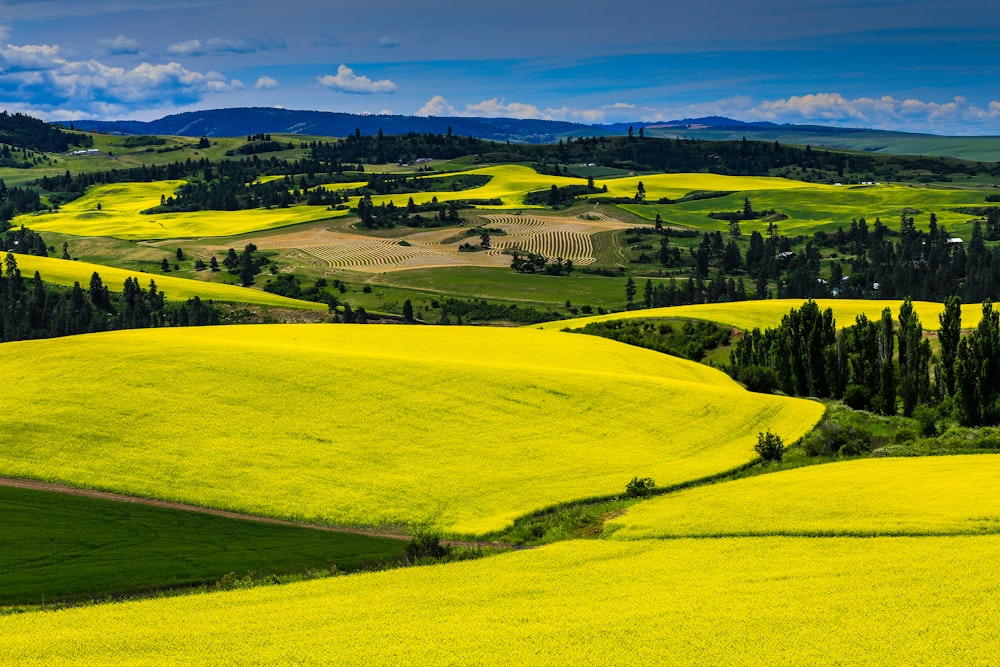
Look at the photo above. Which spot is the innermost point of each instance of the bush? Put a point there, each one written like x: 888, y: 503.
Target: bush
x: 639, y: 488
x: 857, y: 396
x: 926, y: 416
x: 769, y: 446
x: 760, y: 379
x: 426, y: 546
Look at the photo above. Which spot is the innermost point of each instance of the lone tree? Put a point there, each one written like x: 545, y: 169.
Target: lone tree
x: 769, y: 446
x: 408, y: 311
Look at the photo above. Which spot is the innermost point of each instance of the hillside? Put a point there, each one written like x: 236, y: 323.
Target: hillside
x: 239, y: 122
x: 459, y: 428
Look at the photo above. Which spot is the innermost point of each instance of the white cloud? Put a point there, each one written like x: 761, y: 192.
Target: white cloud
x: 31, y: 57
x: 120, y: 45
x: 218, y: 45
x: 387, y: 42
x: 346, y: 81
x: 39, y: 77
x: 436, y: 106
x: 266, y: 83
x: 498, y: 108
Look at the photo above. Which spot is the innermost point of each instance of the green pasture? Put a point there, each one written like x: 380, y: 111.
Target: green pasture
x: 59, y: 547
x: 812, y: 208
x: 503, y: 284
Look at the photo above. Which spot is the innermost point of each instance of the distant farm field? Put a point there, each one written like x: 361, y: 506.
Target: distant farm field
x: 463, y: 429
x: 808, y: 207
x: 936, y: 495
x: 568, y: 238
x: 766, y: 601
x: 66, y: 272
x: 509, y: 183
x: 747, y: 315
x: 115, y: 210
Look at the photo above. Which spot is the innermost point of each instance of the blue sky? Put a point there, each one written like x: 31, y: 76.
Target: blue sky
x: 890, y: 64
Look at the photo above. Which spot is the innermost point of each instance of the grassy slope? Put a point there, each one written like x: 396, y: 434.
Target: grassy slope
x: 56, y: 547
x: 946, y: 495
x: 762, y: 314
x: 809, y: 207
x: 767, y: 601
x: 66, y: 272
x: 462, y: 428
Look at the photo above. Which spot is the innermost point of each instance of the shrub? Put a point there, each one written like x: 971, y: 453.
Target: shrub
x: 857, y: 396
x: 425, y: 546
x: 769, y: 446
x: 639, y: 488
x: 760, y: 379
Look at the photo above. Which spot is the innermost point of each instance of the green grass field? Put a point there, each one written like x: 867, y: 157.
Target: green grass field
x: 460, y: 428
x: 809, y: 207
x: 58, y: 547
x: 503, y: 284
x: 66, y: 272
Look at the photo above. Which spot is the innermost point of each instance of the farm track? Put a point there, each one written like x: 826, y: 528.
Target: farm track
x: 54, y: 487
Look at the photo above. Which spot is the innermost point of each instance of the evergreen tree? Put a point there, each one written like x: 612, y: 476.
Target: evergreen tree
x: 948, y: 336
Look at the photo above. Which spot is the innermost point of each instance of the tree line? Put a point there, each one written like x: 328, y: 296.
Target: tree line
x: 880, y: 365
x: 30, y: 308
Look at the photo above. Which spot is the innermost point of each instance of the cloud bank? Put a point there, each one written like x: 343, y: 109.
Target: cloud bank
x: 37, y: 76
x: 884, y: 112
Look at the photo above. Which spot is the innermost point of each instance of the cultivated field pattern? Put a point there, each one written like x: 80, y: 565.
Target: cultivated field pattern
x: 566, y: 238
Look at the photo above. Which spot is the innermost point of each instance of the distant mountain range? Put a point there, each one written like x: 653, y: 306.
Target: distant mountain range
x: 245, y: 121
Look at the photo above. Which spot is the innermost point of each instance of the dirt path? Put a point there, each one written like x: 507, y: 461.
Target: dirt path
x: 55, y: 487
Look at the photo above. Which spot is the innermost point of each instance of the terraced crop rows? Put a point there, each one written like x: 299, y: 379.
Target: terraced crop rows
x: 515, y: 220
x: 536, y: 235
x: 360, y: 253
x: 568, y: 245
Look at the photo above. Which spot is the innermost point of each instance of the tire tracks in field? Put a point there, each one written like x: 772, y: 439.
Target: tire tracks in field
x: 56, y: 487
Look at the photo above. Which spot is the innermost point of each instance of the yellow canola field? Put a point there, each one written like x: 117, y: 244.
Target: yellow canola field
x: 746, y: 602
x: 509, y: 183
x: 67, y: 272
x: 120, y: 215
x: 936, y: 495
x: 766, y: 313
x: 676, y: 186
x: 461, y: 428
